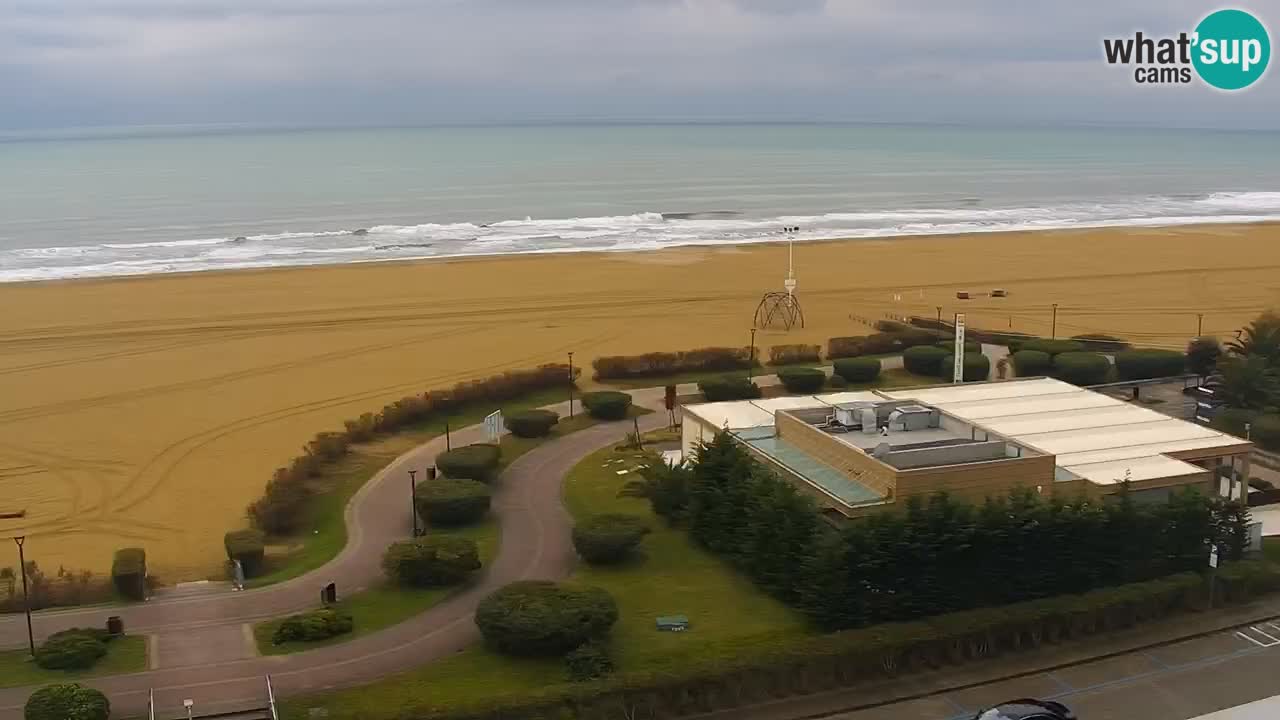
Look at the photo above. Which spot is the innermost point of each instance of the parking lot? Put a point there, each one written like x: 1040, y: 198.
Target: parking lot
x: 1172, y: 682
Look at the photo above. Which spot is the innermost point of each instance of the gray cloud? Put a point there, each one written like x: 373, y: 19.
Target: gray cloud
x: 77, y: 62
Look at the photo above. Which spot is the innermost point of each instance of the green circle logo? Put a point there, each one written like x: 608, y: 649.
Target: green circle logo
x: 1232, y: 49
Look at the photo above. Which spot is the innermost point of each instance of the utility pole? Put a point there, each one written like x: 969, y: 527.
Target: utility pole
x: 1053, y: 331
x: 570, y: 384
x: 413, y: 500
x: 751, y: 358
x: 26, y: 598
x: 1199, y: 324
x: 939, y: 309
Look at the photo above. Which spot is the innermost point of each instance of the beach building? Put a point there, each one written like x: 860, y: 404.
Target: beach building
x: 862, y: 452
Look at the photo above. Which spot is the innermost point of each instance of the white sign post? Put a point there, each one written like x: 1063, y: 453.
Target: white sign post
x: 957, y: 373
x: 493, y: 426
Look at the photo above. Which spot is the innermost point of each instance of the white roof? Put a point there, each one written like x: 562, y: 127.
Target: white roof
x: 1095, y: 436
x: 732, y: 414
x: 841, y: 398
x: 772, y: 405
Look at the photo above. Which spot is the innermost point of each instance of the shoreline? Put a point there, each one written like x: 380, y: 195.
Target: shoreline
x: 1158, y: 225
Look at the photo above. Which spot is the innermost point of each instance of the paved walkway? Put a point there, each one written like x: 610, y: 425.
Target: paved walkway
x: 199, y: 643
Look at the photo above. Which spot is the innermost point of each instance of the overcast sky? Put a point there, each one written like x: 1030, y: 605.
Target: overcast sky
x: 129, y: 62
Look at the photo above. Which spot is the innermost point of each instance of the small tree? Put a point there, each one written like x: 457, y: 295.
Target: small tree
x: 1245, y: 382
x: 67, y: 701
x: 431, y: 561
x: 1203, y: 354
x: 1261, y: 338
x: 608, y: 538
x: 129, y: 573
x: 665, y: 486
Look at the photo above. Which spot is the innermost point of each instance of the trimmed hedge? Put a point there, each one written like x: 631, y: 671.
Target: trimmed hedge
x: 70, y: 651
x: 541, y: 618
x: 880, y: 343
x: 67, y: 701
x: 431, y: 561
x: 608, y: 538
x: 607, y: 404
x: 450, y: 502
x: 1052, y: 347
x: 924, y: 360
x: 788, y: 354
x: 280, y: 510
x: 1150, y: 363
x: 969, y: 346
x: 1098, y: 342
x: 1030, y: 363
x: 708, y: 359
x: 129, y: 573
x: 728, y: 388
x: 588, y: 662
x: 1266, y: 432
x: 312, y: 626
x: 531, y: 423
x: 857, y: 370
x: 977, y: 367
x: 803, y: 380
x: 247, y: 546
x: 471, y: 462
x: 1081, y: 368
x: 771, y: 669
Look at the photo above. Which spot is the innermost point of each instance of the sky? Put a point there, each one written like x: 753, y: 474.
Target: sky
x: 77, y: 63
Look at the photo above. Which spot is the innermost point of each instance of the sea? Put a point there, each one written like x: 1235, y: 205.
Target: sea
x: 136, y: 201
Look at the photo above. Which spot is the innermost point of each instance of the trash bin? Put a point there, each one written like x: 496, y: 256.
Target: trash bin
x: 329, y: 594
x: 115, y: 626
x: 431, y: 473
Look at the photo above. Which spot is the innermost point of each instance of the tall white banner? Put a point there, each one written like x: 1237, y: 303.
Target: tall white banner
x: 957, y: 373
x: 493, y: 426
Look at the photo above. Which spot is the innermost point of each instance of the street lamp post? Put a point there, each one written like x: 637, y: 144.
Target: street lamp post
x: 26, y: 599
x: 570, y: 384
x: 751, y: 357
x: 1053, y: 332
x: 413, y: 500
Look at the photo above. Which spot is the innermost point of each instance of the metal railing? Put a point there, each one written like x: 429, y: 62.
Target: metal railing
x: 271, y: 700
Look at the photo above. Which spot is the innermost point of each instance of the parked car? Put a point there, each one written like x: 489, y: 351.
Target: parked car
x: 1027, y: 709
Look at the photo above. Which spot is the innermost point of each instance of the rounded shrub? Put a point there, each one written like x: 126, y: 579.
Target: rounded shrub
x: 924, y: 360
x: 66, y: 701
x: 248, y: 546
x: 591, y: 661
x: 1265, y: 431
x: 976, y: 367
x: 1149, y: 363
x: 452, y: 502
x: 857, y: 370
x: 607, y: 404
x: 1081, y: 368
x: 969, y: 346
x: 473, y: 462
x: 802, y: 380
x: 312, y: 626
x: 531, y: 423
x: 608, y: 538
x: 1030, y: 363
x: 1053, y: 347
x: 70, y: 651
x: 431, y: 561
x: 729, y: 387
x: 537, y: 617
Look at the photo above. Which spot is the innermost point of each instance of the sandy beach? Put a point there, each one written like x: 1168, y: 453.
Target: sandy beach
x: 149, y: 411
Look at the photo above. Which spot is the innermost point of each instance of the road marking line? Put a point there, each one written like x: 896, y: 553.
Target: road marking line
x: 1274, y: 640
x: 1259, y: 643
x: 250, y: 641
x: 153, y: 652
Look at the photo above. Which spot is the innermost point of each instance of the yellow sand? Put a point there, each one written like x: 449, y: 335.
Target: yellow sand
x: 150, y: 411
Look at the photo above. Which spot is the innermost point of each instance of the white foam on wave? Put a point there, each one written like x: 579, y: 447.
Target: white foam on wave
x: 633, y: 232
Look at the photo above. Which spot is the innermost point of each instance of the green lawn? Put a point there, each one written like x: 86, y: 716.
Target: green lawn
x: 1271, y: 548
x: 726, y: 613
x: 385, y: 605
x: 326, y: 533
x: 126, y: 654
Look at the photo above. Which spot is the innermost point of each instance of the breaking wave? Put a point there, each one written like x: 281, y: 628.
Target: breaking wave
x: 640, y: 231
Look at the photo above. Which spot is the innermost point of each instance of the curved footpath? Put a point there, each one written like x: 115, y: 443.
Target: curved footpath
x: 192, y: 637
